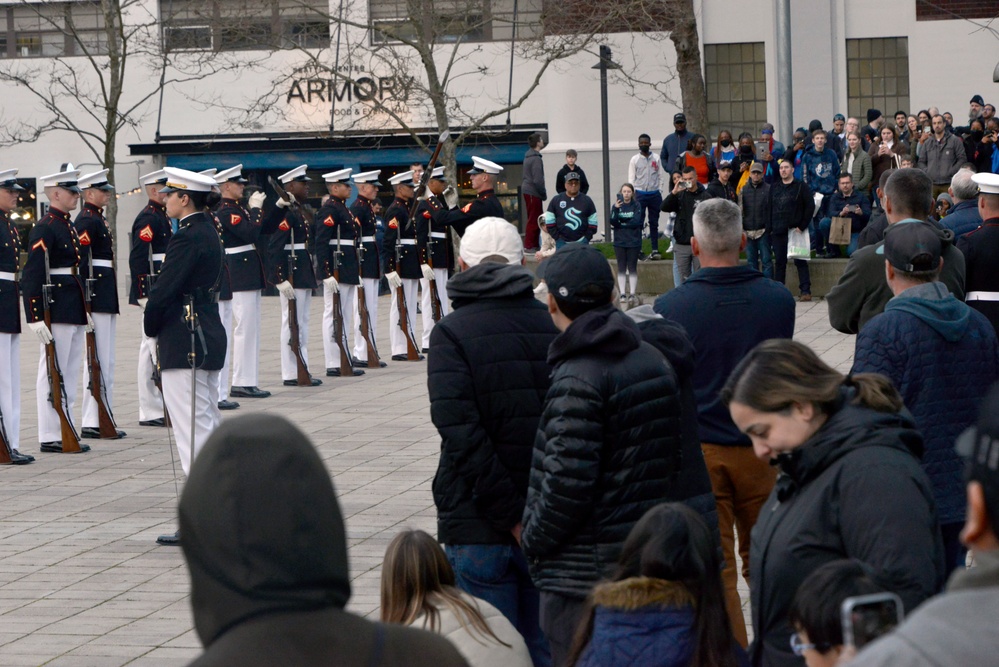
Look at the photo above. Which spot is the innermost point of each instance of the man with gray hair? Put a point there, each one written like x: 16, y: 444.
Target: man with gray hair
x: 488, y: 375
x: 964, y: 216
x: 728, y: 308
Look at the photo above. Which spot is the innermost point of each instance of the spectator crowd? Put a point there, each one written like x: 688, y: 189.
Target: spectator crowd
x: 606, y: 476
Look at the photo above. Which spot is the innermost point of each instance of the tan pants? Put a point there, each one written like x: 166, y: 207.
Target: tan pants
x: 741, y: 484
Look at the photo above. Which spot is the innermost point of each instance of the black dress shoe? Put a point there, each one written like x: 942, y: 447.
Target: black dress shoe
x: 169, y: 540
x: 94, y: 432
x: 425, y: 350
x: 249, y: 392
x: 335, y: 372
x: 403, y: 357
x: 159, y: 421
x: 55, y: 447
x: 294, y: 383
x: 19, y: 459
x: 228, y: 405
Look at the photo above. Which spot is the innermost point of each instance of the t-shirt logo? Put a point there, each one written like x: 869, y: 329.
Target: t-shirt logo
x: 573, y: 219
x: 146, y: 234
x: 561, y: 204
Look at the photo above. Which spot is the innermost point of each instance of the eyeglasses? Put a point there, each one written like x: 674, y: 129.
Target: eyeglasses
x: 799, y: 647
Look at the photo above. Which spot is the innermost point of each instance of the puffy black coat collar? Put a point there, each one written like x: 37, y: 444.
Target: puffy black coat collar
x: 605, y: 331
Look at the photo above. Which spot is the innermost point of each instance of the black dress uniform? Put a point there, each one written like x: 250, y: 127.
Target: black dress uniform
x: 97, y: 251
x: 193, y: 268
x: 151, y: 234
x: 335, y: 219
x: 403, y: 256
x: 434, y: 236
x: 981, y: 278
x: 55, y: 233
x: 10, y: 250
x: 484, y: 205
x: 365, y: 215
x: 10, y: 330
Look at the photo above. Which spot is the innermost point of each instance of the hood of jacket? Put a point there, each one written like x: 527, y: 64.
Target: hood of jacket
x: 667, y: 337
x: 848, y: 428
x: 261, y: 527
x: 637, y: 592
x: 604, y: 330
x: 490, y: 281
x: 936, y: 306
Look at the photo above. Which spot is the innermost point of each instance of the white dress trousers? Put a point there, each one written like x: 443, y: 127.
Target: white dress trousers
x: 105, y: 328
x: 177, y: 394
x: 10, y: 387
x: 440, y: 275
x: 348, y: 304
x: 371, y: 299
x: 289, y: 367
x: 69, y: 342
x: 245, y: 338
x: 396, y: 336
x: 225, y: 313
x: 150, y: 399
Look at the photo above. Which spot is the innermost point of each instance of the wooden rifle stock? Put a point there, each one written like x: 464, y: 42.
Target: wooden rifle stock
x: 412, y: 349
x: 106, y: 425
x: 339, y: 335
x: 365, y: 320
x: 5, y: 454
x: 425, y: 177
x: 304, y: 378
x: 57, y: 386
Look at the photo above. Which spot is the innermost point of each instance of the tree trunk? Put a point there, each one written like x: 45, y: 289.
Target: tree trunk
x: 688, y: 67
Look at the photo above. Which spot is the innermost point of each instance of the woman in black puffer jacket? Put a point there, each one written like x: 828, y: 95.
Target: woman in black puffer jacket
x: 850, y: 485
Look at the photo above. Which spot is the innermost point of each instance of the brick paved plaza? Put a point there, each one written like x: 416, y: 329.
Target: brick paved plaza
x: 82, y: 581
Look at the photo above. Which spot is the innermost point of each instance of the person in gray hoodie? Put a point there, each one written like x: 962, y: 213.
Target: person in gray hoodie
x: 534, y: 190
x: 958, y: 626
x: 940, y: 354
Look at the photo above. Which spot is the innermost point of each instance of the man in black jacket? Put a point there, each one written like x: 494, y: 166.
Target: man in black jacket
x: 791, y: 208
x: 608, y: 447
x: 487, y: 378
x: 682, y: 200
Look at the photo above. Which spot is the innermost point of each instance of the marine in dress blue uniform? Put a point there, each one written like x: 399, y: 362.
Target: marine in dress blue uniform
x: 337, y: 231
x: 433, y: 233
x: 10, y: 318
x: 288, y: 222
x: 241, y: 228
x: 485, y: 204
x: 981, y: 252
x: 97, y: 253
x: 150, y: 236
x: 370, y: 262
x: 54, y: 234
x: 402, y: 260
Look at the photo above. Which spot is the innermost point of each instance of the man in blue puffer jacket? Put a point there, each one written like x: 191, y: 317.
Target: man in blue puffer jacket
x: 608, y: 446
x: 941, y: 355
x: 819, y: 171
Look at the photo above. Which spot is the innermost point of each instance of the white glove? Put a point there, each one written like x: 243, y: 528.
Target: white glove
x: 41, y: 331
x: 283, y: 203
x: 142, y: 303
x: 90, y: 324
x: 286, y: 290
x: 428, y: 272
x: 450, y: 197
x: 331, y: 284
x: 154, y: 351
x: 257, y: 200
x: 394, y: 281
x: 541, y: 291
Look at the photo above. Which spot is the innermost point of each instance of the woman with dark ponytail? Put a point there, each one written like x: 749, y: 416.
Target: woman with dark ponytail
x: 850, y: 484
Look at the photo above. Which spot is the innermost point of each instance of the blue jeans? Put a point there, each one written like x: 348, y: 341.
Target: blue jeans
x: 651, y: 202
x: 759, y: 249
x: 825, y: 225
x: 497, y: 573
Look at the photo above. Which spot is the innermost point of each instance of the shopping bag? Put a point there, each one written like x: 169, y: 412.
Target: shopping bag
x: 839, y: 232
x: 799, y: 245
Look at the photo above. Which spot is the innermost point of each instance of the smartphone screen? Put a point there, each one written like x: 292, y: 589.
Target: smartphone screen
x: 867, y: 617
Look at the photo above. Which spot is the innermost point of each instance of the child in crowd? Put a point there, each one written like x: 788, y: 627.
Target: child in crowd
x: 570, y: 166
x: 626, y: 219
x: 418, y: 588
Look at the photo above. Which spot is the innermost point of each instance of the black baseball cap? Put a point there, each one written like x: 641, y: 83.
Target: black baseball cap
x: 572, y: 176
x: 679, y: 118
x: 913, y: 246
x: 575, y: 267
x: 724, y: 164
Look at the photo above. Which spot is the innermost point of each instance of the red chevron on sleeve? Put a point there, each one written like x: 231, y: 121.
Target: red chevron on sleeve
x: 329, y: 222
x: 85, y: 238
x: 284, y: 226
x: 40, y: 243
x: 234, y: 219
x: 146, y: 234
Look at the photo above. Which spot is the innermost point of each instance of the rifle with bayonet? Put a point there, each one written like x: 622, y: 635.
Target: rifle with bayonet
x: 364, y: 317
x: 412, y: 349
x: 436, y: 308
x: 57, y: 385
x: 156, y: 376
x: 339, y: 334
x: 304, y: 379
x: 106, y: 424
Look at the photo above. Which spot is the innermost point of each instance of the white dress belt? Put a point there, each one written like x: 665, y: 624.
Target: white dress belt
x: 407, y: 241
x: 7, y: 275
x: 349, y: 242
x: 367, y: 239
x: 63, y: 271
x: 438, y: 235
x: 159, y: 256
x: 297, y: 246
x: 105, y: 263
x: 982, y: 296
x: 240, y: 248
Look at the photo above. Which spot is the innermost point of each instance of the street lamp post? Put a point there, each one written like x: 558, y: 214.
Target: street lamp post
x: 605, y: 64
